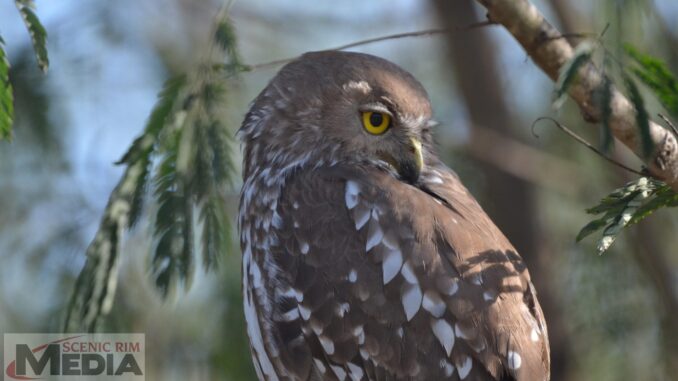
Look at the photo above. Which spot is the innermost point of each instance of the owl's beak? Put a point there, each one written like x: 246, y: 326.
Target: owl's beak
x: 408, y: 162
x: 412, y: 162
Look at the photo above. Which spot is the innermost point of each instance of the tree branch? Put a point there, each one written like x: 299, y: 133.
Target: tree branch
x: 419, y: 33
x: 542, y: 43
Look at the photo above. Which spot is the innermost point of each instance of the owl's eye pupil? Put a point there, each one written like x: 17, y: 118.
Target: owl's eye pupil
x: 376, y: 119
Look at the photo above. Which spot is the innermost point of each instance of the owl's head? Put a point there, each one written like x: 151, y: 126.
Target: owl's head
x: 338, y: 106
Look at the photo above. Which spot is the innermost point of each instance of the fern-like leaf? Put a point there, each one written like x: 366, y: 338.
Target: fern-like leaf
x: 6, y: 96
x: 655, y: 74
x: 642, y: 117
x: 568, y: 72
x: 36, y: 30
x: 626, y: 206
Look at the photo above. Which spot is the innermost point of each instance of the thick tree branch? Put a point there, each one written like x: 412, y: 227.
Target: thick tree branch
x: 541, y: 41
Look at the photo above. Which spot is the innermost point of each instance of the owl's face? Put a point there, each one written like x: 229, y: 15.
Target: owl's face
x: 342, y: 106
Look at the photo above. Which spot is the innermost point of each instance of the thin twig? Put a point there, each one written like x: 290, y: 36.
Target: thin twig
x: 420, y: 33
x: 583, y: 141
x: 669, y: 123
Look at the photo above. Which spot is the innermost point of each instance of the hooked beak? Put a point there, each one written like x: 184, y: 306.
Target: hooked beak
x: 409, y: 163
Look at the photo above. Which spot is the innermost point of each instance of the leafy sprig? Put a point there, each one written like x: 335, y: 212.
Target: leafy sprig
x: 39, y: 39
x: 626, y: 206
x: 184, y: 156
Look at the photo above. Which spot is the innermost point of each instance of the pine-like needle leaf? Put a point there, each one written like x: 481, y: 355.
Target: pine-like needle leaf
x: 626, y: 206
x: 568, y: 72
x: 642, y: 117
x: 655, y: 74
x: 6, y: 96
x: 36, y: 30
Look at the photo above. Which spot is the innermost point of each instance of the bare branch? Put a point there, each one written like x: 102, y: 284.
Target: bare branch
x: 540, y: 40
x: 420, y: 33
x: 586, y: 144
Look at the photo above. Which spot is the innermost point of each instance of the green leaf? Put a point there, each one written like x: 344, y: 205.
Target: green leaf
x: 143, y: 147
x: 591, y: 228
x: 626, y: 206
x: 225, y: 37
x: 36, y: 30
x: 568, y: 72
x: 607, y: 139
x: 655, y: 74
x: 642, y: 117
x: 6, y: 96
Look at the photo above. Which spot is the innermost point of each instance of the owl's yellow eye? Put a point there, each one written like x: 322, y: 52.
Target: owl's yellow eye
x: 376, y: 123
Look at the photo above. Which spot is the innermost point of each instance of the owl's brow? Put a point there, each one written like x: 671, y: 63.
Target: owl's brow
x: 376, y: 106
x: 432, y: 123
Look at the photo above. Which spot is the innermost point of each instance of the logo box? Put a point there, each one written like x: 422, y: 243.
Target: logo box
x: 75, y: 356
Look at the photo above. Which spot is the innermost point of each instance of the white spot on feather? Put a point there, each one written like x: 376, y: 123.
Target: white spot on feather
x: 291, y: 315
x: 304, y: 247
x: 408, y: 273
x: 361, y: 86
x: 319, y: 364
x: 355, y: 372
x: 393, y: 261
x: 433, y: 303
x: 411, y: 300
x: 448, y: 286
x: 374, y: 235
x: 514, y: 360
x: 464, y: 365
x: 447, y: 368
x: 435, y: 180
x: 534, y: 335
x: 339, y: 371
x: 359, y: 333
x: 361, y: 215
x: 352, y: 191
x: 364, y: 354
x: 444, y: 333
x: 343, y: 309
x: 305, y: 312
x: 327, y: 343
x: 352, y: 276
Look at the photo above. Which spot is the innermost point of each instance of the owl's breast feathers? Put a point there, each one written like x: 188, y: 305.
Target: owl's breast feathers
x: 352, y: 274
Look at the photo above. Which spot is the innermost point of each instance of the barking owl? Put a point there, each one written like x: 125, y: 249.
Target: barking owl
x: 364, y: 256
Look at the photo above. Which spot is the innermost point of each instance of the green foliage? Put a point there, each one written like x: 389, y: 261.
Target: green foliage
x: 607, y: 140
x: 6, y: 97
x: 569, y: 70
x: 36, y: 30
x: 626, y: 206
x: 642, y: 117
x: 655, y: 74
x: 186, y: 136
x: 39, y: 38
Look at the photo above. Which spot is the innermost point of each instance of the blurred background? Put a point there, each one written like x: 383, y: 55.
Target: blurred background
x: 610, y: 317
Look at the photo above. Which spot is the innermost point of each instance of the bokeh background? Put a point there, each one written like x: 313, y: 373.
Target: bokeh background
x: 610, y: 317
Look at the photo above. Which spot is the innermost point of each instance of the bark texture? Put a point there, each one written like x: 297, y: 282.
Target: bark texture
x: 543, y: 43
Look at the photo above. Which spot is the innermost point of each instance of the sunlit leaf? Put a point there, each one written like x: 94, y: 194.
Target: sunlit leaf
x: 626, y: 206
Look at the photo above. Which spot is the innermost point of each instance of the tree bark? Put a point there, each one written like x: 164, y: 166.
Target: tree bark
x: 543, y: 43
x: 512, y: 204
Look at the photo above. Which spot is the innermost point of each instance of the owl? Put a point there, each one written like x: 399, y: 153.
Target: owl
x: 363, y: 255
